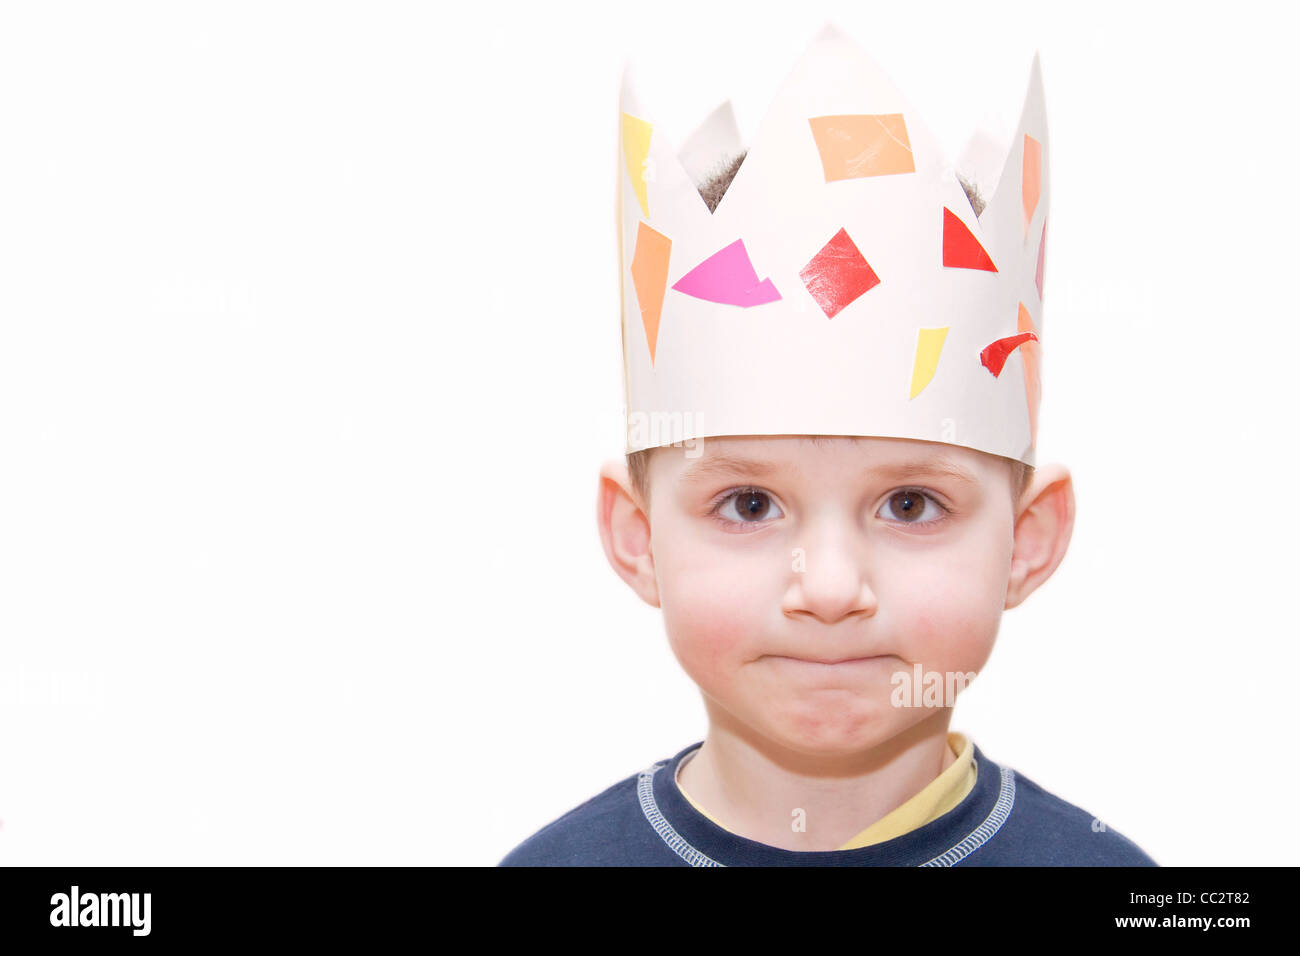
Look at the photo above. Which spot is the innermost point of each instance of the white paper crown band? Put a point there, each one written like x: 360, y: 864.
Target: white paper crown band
x: 844, y: 285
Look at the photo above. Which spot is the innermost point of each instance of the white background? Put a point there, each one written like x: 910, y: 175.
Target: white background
x: 309, y: 355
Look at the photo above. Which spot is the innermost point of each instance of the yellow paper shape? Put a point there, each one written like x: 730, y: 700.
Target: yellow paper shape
x: 636, y: 149
x: 1033, y: 384
x: 650, y: 278
x: 1031, y: 180
x: 860, y: 145
x: 929, y: 343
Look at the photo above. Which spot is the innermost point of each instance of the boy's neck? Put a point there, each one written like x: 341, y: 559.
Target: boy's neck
x: 752, y: 786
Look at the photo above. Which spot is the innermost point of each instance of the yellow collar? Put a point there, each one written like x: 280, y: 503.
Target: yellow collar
x: 938, y: 797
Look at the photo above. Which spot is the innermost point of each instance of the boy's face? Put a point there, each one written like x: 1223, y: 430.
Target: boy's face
x: 796, y: 576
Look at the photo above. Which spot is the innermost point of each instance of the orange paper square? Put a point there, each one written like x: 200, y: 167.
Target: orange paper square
x: 860, y: 145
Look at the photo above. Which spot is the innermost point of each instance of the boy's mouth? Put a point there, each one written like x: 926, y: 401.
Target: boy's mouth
x: 832, y: 661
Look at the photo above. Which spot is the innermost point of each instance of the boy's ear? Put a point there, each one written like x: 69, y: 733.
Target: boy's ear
x: 625, y: 531
x: 1044, y: 524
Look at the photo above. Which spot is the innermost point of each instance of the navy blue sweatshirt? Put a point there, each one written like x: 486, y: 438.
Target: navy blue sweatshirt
x: 1006, y: 820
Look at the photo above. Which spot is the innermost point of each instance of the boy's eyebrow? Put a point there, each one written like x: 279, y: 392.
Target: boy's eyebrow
x: 735, y: 465
x: 938, y: 467
x: 738, y: 466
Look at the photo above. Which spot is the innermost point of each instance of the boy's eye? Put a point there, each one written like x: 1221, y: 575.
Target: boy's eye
x: 749, y: 506
x: 906, y: 506
x: 909, y: 505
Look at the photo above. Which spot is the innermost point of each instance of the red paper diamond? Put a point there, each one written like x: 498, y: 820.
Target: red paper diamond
x: 838, y: 274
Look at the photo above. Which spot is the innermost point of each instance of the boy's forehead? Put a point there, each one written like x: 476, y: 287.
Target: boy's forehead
x: 718, y: 456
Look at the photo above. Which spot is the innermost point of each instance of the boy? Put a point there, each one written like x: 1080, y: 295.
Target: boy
x: 830, y: 492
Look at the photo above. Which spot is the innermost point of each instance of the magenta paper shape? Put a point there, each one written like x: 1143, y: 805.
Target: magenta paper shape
x: 728, y: 277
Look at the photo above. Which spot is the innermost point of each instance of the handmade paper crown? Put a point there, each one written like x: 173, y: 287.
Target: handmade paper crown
x: 844, y: 285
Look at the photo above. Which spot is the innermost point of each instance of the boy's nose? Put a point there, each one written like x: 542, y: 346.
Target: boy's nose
x: 829, y: 581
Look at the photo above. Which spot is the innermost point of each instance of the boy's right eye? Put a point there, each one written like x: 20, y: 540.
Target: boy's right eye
x: 748, y: 506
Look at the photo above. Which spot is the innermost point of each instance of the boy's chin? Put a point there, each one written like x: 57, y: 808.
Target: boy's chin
x: 835, y: 736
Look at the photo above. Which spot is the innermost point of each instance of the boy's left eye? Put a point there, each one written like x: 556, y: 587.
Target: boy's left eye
x: 910, y: 504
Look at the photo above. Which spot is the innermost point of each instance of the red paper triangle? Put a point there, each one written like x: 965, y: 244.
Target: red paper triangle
x: 961, y: 250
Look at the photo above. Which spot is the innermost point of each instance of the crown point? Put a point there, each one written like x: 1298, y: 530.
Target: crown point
x: 829, y: 31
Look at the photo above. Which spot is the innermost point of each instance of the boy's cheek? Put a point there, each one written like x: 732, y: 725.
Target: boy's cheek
x: 967, y: 649
x: 710, y: 636
x: 715, y: 619
x: 953, y: 635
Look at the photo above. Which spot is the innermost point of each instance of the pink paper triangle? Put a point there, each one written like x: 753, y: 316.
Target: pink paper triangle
x: 728, y: 277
